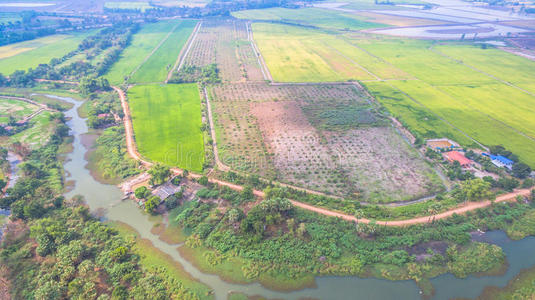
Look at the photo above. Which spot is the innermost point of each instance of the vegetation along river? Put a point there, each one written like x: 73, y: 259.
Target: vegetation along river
x: 106, y: 199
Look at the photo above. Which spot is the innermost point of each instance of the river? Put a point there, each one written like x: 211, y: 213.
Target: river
x: 106, y: 200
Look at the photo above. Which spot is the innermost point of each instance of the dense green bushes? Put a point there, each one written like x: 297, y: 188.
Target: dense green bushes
x: 110, y: 155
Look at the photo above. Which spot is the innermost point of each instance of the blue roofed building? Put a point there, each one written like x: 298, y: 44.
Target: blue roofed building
x: 500, y: 161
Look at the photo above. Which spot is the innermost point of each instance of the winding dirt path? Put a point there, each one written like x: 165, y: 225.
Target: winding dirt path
x: 132, y: 151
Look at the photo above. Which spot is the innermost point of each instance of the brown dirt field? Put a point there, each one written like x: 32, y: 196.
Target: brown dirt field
x: 263, y: 129
x: 299, y: 155
x: 381, y: 164
x: 240, y: 142
x: 225, y: 42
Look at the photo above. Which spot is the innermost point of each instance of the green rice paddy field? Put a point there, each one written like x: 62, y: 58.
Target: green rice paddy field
x: 156, y: 67
x: 167, y: 124
x: 318, y: 17
x: 137, y: 56
x: 29, y: 54
x: 435, y: 89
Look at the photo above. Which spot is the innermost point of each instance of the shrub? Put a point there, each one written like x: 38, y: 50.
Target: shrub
x: 141, y: 192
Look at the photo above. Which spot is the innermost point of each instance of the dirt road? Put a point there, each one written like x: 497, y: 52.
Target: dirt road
x: 419, y: 220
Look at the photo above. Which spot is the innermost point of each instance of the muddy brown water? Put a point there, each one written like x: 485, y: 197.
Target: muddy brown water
x: 106, y: 199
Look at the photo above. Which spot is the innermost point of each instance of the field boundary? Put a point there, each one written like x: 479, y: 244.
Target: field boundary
x: 184, y: 52
x: 153, y: 51
x: 263, y: 66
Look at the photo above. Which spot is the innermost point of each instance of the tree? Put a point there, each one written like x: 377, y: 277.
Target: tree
x: 140, y: 192
x: 301, y: 230
x: 247, y: 193
x: 521, y: 170
x: 203, y: 180
x: 473, y: 190
x: 234, y: 215
x: 151, y: 204
x: 359, y: 213
x: 159, y: 174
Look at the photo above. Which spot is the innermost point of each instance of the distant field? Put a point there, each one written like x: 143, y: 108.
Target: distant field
x: 155, y: 69
x: 451, y: 89
x: 309, y: 16
x: 141, y: 6
x: 29, y: 54
x: 371, y: 4
x: 295, y: 54
x: 167, y: 124
x: 143, y: 43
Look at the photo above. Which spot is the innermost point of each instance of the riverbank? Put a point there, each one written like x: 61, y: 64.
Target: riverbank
x: 153, y: 259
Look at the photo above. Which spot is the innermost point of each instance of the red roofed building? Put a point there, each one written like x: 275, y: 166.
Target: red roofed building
x: 459, y: 157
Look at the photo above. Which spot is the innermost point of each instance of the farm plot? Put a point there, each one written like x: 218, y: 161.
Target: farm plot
x: 16, y: 109
x: 317, y: 17
x: 420, y: 121
x: 503, y: 65
x: 156, y: 68
x: 224, y: 43
x: 313, y: 136
x: 39, y: 130
x: 29, y: 54
x: 299, y: 155
x: 143, y: 43
x: 474, y: 100
x: 380, y: 166
x: 240, y: 141
x: 296, y: 54
x: 167, y: 124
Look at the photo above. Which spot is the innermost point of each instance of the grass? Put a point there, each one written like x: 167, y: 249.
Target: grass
x: 15, y: 108
x: 316, y: 17
x: 167, y: 124
x: 29, y: 54
x: 156, y: 68
x: 230, y: 270
x: 420, y: 121
x: 36, y: 135
x: 141, y: 46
